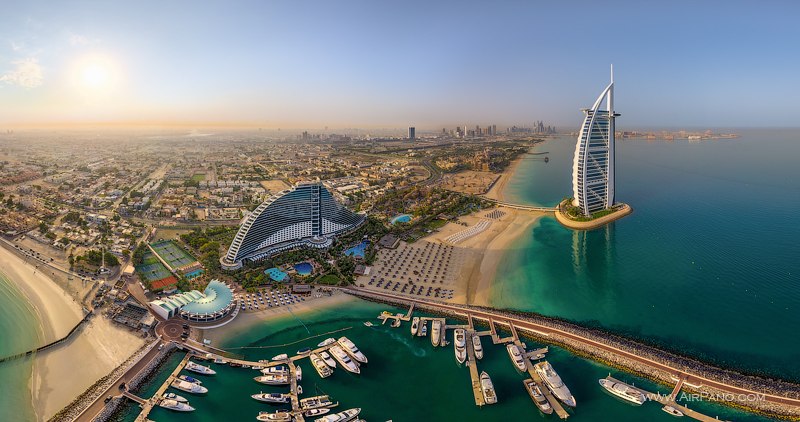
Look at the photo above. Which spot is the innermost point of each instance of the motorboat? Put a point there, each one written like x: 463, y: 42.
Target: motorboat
x: 279, y: 369
x: 327, y: 342
x: 516, y: 357
x: 460, y: 344
x: 317, y: 402
x: 477, y: 347
x: 436, y: 328
x: 344, y: 359
x: 316, y: 412
x: 200, y: 369
x: 327, y: 359
x: 487, y: 388
x: 352, y: 350
x: 347, y: 415
x: 423, y: 331
x: 189, y: 379
x: 273, y: 379
x: 298, y: 372
x: 672, y: 411
x: 279, y: 416
x: 554, y: 383
x: 304, y: 351
x: 189, y: 387
x: 623, y: 391
x: 538, y: 397
x: 282, y: 356
x: 414, y: 326
x: 177, y: 398
x: 322, y: 368
x: 277, y: 398
x: 175, y: 405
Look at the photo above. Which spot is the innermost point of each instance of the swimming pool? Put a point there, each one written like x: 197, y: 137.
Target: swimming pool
x: 357, y: 250
x: 275, y: 274
x: 303, y: 268
x: 193, y: 274
x: 402, y: 218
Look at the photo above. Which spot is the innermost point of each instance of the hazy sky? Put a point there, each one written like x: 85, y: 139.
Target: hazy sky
x: 399, y: 63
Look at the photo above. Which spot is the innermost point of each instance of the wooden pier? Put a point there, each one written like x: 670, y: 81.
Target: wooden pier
x: 298, y: 413
x: 669, y: 400
x: 557, y: 407
x: 148, y: 405
x: 473, y: 374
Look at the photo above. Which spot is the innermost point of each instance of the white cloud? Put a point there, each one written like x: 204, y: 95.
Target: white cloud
x: 16, y: 46
x: 76, y: 39
x: 27, y: 74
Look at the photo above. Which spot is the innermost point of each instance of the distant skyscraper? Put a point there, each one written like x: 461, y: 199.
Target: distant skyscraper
x: 412, y: 132
x: 593, y: 165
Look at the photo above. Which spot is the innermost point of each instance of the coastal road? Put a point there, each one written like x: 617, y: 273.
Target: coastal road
x: 690, y: 378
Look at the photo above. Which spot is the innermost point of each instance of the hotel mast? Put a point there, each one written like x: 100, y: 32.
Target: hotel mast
x: 593, y: 165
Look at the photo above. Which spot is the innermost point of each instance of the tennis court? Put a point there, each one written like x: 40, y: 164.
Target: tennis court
x: 151, y: 268
x: 172, y: 254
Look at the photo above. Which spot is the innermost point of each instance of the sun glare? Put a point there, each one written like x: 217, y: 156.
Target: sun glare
x: 95, y: 74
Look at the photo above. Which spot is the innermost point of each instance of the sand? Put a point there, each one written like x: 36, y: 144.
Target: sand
x: 95, y: 351
x: 497, y: 192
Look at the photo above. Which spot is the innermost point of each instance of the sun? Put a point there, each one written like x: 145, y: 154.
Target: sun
x: 95, y: 75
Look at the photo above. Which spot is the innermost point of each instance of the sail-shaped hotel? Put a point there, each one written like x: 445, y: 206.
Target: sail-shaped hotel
x: 593, y: 165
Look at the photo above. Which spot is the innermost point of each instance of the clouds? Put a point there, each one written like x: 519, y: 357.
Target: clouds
x: 27, y: 73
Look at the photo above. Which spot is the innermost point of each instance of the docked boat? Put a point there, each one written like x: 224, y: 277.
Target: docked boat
x: 623, y: 391
x: 189, y: 387
x: 516, y: 357
x: 277, y: 398
x: 322, y: 368
x: 414, y: 326
x: 177, y: 398
x: 396, y: 323
x: 328, y: 359
x: 317, y: 402
x: 327, y: 342
x: 460, y: 345
x: 189, y: 379
x: 488, y: 389
x: 672, y: 411
x: 352, y: 350
x: 477, y: 347
x: 175, y: 405
x: 554, y: 383
x: 304, y: 351
x: 298, y: 372
x: 282, y: 356
x: 344, y: 359
x: 538, y: 397
x: 423, y: 331
x: 347, y: 415
x: 200, y: 369
x: 316, y: 412
x: 273, y: 379
x: 279, y: 416
x: 436, y: 328
x: 280, y: 369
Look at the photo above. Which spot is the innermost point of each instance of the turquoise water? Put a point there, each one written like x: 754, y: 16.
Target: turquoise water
x: 402, y: 218
x: 275, y: 274
x: 405, y: 380
x: 357, y: 250
x: 19, y: 332
x: 706, y: 265
x: 303, y: 268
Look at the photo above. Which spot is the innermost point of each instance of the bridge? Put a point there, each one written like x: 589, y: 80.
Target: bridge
x: 518, y: 206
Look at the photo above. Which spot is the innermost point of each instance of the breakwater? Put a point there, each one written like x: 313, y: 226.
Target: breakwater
x: 52, y: 343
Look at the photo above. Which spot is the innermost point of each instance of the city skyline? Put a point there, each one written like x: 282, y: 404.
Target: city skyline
x: 357, y: 64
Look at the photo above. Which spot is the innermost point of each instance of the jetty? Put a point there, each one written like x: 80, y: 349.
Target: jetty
x: 148, y: 405
x: 669, y: 400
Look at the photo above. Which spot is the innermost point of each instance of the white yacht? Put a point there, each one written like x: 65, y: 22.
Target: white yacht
x: 298, y: 371
x: 436, y: 332
x: 554, y: 383
x: 538, y: 397
x: 280, y: 369
x: 282, y: 356
x: 317, y: 402
x: 200, y: 369
x: 273, y: 379
x: 347, y: 415
x: 175, y: 405
x: 323, y: 369
x: 327, y: 342
x: 344, y: 359
x: 414, y: 325
x: 672, y: 411
x: 328, y: 359
x: 516, y: 357
x: 623, y: 391
x: 351, y: 349
x: 460, y: 344
x: 189, y: 379
x: 424, y: 330
x: 189, y: 387
x: 277, y: 398
x: 488, y: 389
x: 173, y: 396
x: 477, y: 347
x: 280, y: 415
x: 316, y: 412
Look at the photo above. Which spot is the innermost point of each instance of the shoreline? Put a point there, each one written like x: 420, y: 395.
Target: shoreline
x: 498, y: 189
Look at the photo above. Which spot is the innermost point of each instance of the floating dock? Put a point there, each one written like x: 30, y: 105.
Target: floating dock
x: 473, y: 373
x: 147, y: 405
x: 669, y: 400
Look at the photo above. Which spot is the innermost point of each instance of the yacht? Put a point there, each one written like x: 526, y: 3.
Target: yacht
x: 282, y: 356
x: 352, y: 350
x: 414, y: 326
x: 317, y: 402
x: 173, y: 396
x: 424, y: 330
x: 460, y: 344
x: 554, y: 383
x: 672, y: 411
x: 327, y: 342
x: 344, y: 359
x: 347, y: 415
x: 516, y: 357
x: 323, y: 370
x: 273, y: 379
x: 538, y: 398
x: 176, y: 406
x: 189, y: 379
x: 477, y: 347
x: 280, y: 369
x: 488, y: 389
x: 304, y: 351
x: 280, y: 415
x: 200, y: 369
x: 623, y: 391
x: 277, y: 398
x: 316, y: 412
x: 435, y: 332
x: 189, y: 387
x: 328, y: 359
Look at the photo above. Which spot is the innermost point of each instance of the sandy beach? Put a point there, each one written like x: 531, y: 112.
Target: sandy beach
x: 96, y: 350
x: 497, y: 192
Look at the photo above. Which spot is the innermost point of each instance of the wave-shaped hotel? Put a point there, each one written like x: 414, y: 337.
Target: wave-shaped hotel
x: 214, y: 303
x: 306, y: 215
x: 593, y: 164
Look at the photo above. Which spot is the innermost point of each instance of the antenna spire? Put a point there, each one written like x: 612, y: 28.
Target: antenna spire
x: 612, y: 73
